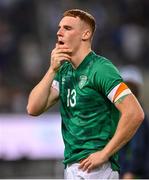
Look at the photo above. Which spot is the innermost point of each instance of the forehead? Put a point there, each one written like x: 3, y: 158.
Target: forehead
x: 70, y: 21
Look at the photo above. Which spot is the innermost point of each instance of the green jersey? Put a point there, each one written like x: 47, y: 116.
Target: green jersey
x: 89, y: 119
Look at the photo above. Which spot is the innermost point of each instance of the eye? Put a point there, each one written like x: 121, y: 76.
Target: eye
x: 68, y: 27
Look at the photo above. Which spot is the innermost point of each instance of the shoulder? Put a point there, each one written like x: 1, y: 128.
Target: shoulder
x: 105, y: 75
x: 102, y: 64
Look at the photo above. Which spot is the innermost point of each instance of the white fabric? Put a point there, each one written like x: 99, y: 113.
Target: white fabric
x: 55, y: 84
x: 102, y: 172
x: 112, y: 93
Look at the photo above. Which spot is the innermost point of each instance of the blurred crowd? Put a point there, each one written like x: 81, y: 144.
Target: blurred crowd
x: 28, y: 34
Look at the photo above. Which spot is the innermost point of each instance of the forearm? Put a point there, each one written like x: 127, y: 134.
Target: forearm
x: 38, y: 97
x: 126, y: 128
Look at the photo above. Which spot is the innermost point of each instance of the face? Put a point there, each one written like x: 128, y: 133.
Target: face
x: 70, y: 32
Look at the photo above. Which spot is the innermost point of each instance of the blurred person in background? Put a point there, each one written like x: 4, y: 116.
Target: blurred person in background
x: 92, y: 95
x: 134, y: 156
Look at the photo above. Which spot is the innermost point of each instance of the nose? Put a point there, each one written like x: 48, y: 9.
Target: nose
x: 59, y: 32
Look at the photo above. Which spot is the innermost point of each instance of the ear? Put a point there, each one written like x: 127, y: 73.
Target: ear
x: 86, y: 35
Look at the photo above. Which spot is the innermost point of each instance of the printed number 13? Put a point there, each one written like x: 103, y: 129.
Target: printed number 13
x: 71, y: 98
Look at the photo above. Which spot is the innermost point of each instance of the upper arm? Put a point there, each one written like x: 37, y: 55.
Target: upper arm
x: 131, y: 110
x: 129, y: 105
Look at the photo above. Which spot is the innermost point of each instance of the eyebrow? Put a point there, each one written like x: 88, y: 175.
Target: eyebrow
x: 65, y: 26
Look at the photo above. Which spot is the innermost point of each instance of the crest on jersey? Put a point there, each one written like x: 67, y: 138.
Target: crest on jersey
x: 82, y: 81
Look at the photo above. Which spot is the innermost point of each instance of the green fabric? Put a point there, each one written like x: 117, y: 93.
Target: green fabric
x: 89, y: 119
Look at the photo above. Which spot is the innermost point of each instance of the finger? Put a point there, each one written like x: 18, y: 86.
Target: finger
x: 86, y: 165
x: 64, y: 50
x: 82, y: 163
x: 56, y: 55
x: 57, y: 50
x: 90, y: 167
x: 60, y: 51
x: 61, y: 57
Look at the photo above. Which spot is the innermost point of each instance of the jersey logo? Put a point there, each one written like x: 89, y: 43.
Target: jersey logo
x: 82, y: 81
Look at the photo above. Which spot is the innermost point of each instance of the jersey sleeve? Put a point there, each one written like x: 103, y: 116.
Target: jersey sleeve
x: 57, y: 78
x: 55, y: 83
x: 110, y: 83
x: 120, y: 91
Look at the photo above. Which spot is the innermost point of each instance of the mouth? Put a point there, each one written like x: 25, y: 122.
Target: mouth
x: 61, y: 42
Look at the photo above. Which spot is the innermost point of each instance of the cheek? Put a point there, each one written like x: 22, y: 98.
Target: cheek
x: 75, y: 36
x: 75, y: 39
x: 74, y: 43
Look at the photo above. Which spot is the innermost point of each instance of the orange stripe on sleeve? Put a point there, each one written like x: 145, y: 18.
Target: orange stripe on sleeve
x: 121, y: 88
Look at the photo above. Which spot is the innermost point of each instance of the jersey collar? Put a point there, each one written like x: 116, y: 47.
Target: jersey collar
x: 86, y: 60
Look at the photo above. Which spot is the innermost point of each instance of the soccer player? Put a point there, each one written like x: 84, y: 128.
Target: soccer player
x: 99, y: 112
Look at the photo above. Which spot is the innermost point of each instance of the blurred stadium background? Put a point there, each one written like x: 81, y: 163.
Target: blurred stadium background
x: 32, y: 147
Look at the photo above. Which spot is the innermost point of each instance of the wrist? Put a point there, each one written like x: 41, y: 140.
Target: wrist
x: 105, y: 153
x: 52, y: 71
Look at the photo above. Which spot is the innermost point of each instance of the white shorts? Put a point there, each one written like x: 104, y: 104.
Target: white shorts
x: 102, y: 172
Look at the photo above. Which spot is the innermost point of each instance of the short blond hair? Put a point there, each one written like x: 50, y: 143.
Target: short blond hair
x: 84, y: 16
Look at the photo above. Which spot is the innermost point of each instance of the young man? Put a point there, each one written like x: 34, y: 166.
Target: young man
x: 99, y: 113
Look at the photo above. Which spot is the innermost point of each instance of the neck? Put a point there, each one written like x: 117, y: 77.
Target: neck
x: 79, y: 56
